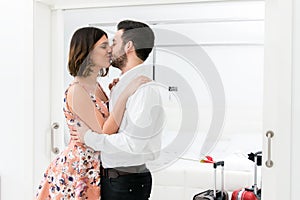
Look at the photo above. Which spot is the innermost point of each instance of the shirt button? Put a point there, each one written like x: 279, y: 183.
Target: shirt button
x: 130, y: 190
x: 142, y: 185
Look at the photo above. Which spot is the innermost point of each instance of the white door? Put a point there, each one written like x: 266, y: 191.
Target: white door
x: 48, y: 84
x: 281, y: 100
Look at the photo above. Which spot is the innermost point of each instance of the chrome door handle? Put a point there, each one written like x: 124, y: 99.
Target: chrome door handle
x: 269, y: 162
x: 54, y: 149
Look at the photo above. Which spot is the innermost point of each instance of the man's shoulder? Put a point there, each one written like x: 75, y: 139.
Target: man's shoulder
x: 150, y: 88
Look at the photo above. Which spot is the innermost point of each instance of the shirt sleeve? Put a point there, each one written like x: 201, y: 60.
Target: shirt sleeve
x: 145, y: 119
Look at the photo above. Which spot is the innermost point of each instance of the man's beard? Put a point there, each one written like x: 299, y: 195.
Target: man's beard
x: 119, y: 62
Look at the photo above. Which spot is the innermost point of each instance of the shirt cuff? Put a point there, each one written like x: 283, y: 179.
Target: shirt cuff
x: 92, y: 139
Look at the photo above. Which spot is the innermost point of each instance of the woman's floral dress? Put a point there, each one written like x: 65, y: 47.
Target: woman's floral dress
x: 75, y: 173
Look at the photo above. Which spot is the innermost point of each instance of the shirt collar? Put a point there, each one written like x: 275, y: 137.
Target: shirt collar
x: 131, y: 71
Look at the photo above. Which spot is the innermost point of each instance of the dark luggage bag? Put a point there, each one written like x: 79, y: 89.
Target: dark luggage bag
x: 214, y: 194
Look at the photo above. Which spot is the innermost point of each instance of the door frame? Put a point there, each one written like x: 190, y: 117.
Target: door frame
x: 46, y: 100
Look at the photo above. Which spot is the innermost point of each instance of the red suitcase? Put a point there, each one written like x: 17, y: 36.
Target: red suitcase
x: 249, y: 193
x: 244, y: 194
x: 214, y: 194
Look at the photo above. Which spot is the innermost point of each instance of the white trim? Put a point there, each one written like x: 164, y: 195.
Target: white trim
x: 82, y: 4
x: 28, y: 135
x: 209, y: 44
x: 48, y: 3
x: 42, y: 102
x: 57, y: 78
x: 295, y: 103
x: 187, y: 21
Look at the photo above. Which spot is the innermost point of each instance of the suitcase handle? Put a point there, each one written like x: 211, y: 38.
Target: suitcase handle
x: 216, y: 164
x: 255, y: 171
x: 258, y: 153
x: 220, y: 163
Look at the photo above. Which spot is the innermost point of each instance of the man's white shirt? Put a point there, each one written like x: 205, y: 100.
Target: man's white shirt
x: 139, y: 137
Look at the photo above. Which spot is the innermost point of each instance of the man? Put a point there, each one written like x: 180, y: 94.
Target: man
x: 123, y: 155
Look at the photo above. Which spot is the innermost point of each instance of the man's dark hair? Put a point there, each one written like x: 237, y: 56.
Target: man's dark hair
x: 141, y: 36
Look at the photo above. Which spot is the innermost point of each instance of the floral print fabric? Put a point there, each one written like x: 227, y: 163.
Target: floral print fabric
x: 75, y: 173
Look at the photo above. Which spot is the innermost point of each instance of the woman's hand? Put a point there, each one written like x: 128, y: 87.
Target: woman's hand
x: 135, y: 84
x: 113, y: 83
x: 114, y: 120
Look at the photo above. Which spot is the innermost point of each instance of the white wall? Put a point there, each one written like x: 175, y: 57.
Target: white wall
x: 16, y: 99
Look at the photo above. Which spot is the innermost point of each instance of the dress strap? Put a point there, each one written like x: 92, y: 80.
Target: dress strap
x: 101, y: 89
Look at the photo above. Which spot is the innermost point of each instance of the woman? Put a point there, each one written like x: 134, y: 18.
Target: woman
x: 75, y: 173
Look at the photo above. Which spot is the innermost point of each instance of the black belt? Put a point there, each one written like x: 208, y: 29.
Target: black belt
x: 121, y: 171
